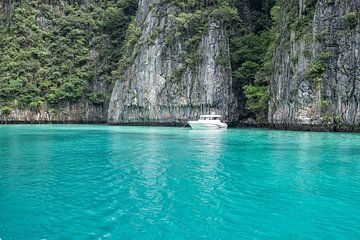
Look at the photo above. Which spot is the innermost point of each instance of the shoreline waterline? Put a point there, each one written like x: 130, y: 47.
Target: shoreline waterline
x: 269, y: 126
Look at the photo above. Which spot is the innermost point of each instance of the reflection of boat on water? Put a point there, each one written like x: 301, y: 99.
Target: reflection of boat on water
x: 208, y: 122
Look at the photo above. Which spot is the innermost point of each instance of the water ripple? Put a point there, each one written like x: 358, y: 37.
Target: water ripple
x: 101, y: 182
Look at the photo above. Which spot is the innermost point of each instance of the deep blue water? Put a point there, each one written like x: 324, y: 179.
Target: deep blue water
x: 109, y: 182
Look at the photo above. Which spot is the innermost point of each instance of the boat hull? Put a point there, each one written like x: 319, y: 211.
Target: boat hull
x: 205, y: 126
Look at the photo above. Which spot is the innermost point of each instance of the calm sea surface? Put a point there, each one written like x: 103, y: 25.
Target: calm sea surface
x: 110, y: 182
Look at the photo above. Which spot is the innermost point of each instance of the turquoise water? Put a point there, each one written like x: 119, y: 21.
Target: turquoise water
x: 109, y: 182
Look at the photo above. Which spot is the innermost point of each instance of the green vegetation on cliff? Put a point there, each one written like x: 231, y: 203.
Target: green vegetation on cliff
x: 58, y: 52
x: 252, y: 47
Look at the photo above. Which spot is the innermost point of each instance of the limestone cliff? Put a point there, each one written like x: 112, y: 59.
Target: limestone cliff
x: 162, y: 84
x: 80, y: 112
x: 57, y: 58
x: 316, y: 79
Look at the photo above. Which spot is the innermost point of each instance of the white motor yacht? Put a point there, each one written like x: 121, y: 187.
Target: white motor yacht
x: 208, y: 122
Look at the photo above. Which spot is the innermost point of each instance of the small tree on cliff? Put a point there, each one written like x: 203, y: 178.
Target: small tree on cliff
x: 5, y: 111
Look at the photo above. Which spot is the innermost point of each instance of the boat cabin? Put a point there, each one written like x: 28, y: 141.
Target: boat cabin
x: 210, y: 117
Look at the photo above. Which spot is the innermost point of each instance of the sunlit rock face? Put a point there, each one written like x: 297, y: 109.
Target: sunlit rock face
x: 160, y: 87
x: 316, y: 78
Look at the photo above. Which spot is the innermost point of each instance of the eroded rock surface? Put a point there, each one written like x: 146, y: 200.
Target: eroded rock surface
x: 159, y: 87
x: 316, y: 77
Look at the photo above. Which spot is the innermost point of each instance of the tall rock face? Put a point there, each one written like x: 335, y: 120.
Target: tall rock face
x: 162, y: 84
x: 316, y: 80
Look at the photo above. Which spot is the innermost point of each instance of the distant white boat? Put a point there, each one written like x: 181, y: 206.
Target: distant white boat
x: 208, y: 122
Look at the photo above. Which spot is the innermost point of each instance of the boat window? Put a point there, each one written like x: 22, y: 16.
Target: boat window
x: 209, y: 118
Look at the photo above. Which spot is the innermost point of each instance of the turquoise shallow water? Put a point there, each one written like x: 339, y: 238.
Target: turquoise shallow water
x: 109, y: 182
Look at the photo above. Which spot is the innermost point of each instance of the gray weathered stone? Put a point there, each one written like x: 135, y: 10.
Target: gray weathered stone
x: 295, y: 98
x: 150, y: 93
